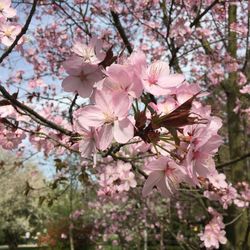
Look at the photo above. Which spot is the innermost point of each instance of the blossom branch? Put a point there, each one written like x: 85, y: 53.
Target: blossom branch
x: 32, y: 113
x: 23, y: 31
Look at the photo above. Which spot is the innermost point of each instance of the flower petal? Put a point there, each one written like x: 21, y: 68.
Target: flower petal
x: 123, y: 130
x: 90, y: 116
x: 121, y: 104
x: 104, y: 136
x: 151, y: 181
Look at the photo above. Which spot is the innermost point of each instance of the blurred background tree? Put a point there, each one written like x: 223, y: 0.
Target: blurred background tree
x: 20, y: 215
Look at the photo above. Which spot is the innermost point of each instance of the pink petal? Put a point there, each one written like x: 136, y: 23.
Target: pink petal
x: 71, y: 83
x: 155, y: 89
x: 118, y: 75
x: 91, y: 116
x: 104, y: 136
x: 85, y: 89
x: 123, y: 130
x: 161, y: 186
x: 86, y: 147
x: 151, y: 181
x: 75, y: 84
x: 73, y: 65
x: 170, y: 80
x: 103, y: 100
x: 121, y: 104
x: 157, y: 165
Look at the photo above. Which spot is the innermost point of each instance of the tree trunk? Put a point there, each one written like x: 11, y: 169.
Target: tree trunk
x: 237, y: 230
x: 12, y: 240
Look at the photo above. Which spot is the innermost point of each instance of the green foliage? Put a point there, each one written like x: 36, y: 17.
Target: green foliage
x: 19, y: 212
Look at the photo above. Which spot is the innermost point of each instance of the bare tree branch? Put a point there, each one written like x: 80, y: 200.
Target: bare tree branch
x: 121, y: 31
x: 233, y: 160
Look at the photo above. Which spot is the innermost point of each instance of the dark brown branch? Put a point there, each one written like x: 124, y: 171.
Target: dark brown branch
x: 198, y: 18
x: 71, y: 108
x: 33, y: 113
x: 121, y: 31
x: 22, y: 32
x: 234, y: 160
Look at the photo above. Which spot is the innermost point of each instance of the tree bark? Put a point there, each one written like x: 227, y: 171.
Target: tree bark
x: 235, y: 231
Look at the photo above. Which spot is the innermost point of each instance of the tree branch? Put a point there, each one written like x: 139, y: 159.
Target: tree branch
x: 22, y: 32
x: 121, y: 31
x: 233, y: 160
x: 33, y: 113
x: 198, y: 18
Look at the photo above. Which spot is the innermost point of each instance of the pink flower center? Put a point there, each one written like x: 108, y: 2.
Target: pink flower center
x: 152, y: 80
x: 169, y: 171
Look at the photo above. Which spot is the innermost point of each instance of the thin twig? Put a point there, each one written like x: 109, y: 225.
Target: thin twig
x: 234, y: 160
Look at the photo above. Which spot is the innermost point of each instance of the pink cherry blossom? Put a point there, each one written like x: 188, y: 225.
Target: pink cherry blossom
x: 213, y: 234
x: 204, y: 143
x: 245, y: 89
x: 157, y: 79
x: 10, y: 139
x: 109, y: 115
x: 122, y: 78
x: 5, y: 10
x: 116, y: 179
x: 36, y: 83
x: 165, y: 174
x: 91, y: 53
x: 218, y: 180
x: 8, y: 33
x: 82, y: 76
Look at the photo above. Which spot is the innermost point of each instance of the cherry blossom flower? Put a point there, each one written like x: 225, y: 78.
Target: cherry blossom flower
x: 116, y: 179
x: 82, y: 76
x: 213, y: 234
x: 109, y: 115
x: 165, y: 174
x: 10, y: 139
x: 36, y: 83
x: 122, y: 78
x: 218, y: 180
x: 204, y: 143
x: 91, y: 53
x: 157, y: 79
x: 8, y: 33
x: 245, y: 89
x: 5, y: 10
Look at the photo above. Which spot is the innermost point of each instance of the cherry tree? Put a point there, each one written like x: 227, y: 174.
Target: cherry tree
x: 150, y: 98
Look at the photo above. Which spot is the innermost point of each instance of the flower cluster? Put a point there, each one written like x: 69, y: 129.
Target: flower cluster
x: 116, y: 179
x: 130, y: 98
x: 214, y: 234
